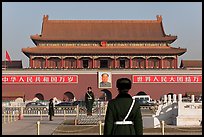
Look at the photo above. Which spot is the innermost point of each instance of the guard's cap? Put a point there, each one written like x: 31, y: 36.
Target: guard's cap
x: 124, y: 84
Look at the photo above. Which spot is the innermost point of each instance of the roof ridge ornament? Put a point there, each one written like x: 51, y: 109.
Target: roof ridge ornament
x: 45, y: 17
x: 159, y: 18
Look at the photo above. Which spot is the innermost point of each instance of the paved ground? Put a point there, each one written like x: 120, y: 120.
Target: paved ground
x: 68, y: 128
x: 27, y: 126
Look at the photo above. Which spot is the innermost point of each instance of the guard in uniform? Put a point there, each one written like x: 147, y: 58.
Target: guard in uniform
x: 89, y: 100
x: 51, y: 109
x: 123, y: 115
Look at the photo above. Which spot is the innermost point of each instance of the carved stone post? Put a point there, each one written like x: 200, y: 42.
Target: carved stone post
x: 165, y: 98
x: 192, y: 98
x: 169, y: 98
x: 174, y: 98
x: 179, y: 97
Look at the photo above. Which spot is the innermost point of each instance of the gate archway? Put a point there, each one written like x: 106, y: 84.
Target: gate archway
x: 107, y: 95
x: 170, y: 93
x: 68, y: 96
x: 39, y: 96
x: 141, y: 93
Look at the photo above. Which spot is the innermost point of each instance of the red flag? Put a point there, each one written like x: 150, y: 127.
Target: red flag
x: 8, y: 57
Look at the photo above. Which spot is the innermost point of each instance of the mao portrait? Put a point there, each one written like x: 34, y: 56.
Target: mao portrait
x: 105, y: 80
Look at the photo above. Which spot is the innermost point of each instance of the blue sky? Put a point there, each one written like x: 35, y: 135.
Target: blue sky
x: 22, y: 19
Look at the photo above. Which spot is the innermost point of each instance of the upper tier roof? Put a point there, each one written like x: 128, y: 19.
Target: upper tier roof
x: 100, y: 30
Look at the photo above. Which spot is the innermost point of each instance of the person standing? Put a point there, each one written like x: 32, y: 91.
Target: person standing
x: 123, y: 114
x: 51, y: 109
x: 89, y: 100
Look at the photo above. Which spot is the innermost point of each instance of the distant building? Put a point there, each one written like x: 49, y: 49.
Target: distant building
x: 191, y: 64
x: 14, y: 64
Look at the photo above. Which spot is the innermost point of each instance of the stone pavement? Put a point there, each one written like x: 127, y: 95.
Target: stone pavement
x: 28, y: 126
x: 66, y: 129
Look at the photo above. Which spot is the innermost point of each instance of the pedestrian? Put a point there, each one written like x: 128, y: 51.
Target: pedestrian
x: 89, y: 100
x: 51, y: 109
x: 123, y: 114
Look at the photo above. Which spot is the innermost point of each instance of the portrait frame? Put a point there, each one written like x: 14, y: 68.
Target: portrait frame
x: 101, y: 84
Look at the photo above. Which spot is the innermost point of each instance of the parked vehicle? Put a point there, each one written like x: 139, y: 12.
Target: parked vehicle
x: 81, y: 103
x: 144, y: 100
x: 200, y: 99
x: 34, y: 104
x: 186, y: 99
x: 64, y: 104
x: 142, y: 97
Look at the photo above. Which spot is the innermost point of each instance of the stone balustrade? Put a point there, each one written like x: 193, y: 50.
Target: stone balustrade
x: 180, y: 112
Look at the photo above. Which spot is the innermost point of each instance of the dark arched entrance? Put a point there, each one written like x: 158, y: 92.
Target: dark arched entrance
x: 170, y: 93
x: 39, y: 96
x: 107, y: 95
x: 68, y: 96
x: 141, y: 93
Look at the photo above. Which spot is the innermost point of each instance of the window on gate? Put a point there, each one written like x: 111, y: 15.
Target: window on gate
x: 122, y: 63
x: 85, y: 63
x: 103, y: 63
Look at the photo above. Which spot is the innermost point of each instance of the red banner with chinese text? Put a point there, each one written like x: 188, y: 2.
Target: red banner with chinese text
x: 40, y: 79
x: 167, y: 78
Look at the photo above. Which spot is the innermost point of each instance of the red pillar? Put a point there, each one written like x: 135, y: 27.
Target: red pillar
x: 31, y: 63
x: 93, y: 63
x: 115, y: 63
x: 77, y: 63
x: 161, y: 63
x: 146, y: 62
x: 62, y: 63
x: 176, y: 62
x: 130, y: 62
x: 46, y: 62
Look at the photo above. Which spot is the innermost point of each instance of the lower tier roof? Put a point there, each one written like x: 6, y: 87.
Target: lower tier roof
x: 62, y: 50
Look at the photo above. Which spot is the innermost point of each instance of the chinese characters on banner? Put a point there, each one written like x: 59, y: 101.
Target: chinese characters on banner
x: 167, y: 78
x: 39, y: 79
x: 74, y: 79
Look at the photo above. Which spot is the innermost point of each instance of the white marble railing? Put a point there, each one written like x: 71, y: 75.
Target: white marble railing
x: 173, y: 110
x: 59, y: 111
x: 179, y: 112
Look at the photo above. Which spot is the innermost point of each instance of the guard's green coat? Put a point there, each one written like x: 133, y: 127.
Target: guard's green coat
x: 117, y: 110
x: 89, y: 102
x: 51, y: 109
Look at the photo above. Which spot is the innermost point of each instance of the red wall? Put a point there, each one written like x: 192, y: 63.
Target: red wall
x: 155, y: 90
